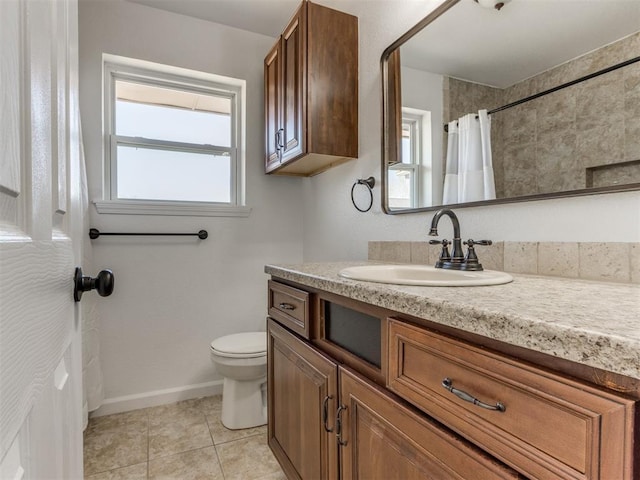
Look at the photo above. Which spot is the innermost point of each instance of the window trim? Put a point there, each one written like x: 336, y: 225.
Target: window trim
x: 121, y: 68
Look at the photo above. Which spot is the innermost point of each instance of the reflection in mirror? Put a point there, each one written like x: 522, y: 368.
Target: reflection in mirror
x: 539, y: 100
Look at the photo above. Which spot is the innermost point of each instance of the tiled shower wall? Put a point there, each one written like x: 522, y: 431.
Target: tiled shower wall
x: 587, y: 135
x: 608, y: 262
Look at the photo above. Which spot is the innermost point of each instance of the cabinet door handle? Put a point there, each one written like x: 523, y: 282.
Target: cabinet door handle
x: 287, y: 306
x: 279, y: 142
x: 448, y: 384
x: 339, y: 425
x: 325, y: 413
x: 278, y: 147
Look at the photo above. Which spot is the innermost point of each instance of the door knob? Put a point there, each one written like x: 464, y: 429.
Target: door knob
x: 103, y: 283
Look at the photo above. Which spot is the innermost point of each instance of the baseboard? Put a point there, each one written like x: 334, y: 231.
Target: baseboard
x: 157, y: 397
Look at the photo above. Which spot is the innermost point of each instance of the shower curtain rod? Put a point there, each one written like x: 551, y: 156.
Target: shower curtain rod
x: 560, y: 87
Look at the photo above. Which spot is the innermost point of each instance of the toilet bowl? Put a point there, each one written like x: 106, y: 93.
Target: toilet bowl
x: 242, y: 360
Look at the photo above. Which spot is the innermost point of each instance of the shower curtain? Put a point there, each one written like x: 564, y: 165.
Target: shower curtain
x: 93, y: 393
x: 469, y: 169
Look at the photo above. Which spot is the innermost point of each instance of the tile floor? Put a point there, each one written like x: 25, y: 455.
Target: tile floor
x: 184, y: 440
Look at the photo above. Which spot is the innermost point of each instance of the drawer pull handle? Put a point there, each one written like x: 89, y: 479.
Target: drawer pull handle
x: 448, y: 384
x: 325, y: 413
x: 287, y: 306
x: 339, y: 425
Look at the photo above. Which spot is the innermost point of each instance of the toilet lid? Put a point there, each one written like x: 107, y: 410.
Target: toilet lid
x: 250, y: 344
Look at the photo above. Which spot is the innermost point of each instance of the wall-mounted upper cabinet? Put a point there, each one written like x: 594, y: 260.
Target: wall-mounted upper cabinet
x: 311, y: 93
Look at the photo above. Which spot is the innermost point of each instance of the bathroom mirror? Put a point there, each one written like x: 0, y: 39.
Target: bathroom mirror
x: 560, y: 82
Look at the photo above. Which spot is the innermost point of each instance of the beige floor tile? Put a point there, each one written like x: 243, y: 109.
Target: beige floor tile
x: 134, y: 472
x: 185, y: 412
x: 222, y: 434
x: 178, y: 440
x: 134, y: 420
x: 247, y: 459
x: 114, y: 448
x: 178, y: 436
x: 274, y: 476
x: 195, y: 464
x: 208, y: 405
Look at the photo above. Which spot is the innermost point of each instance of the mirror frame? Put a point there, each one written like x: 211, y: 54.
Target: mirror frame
x: 390, y: 96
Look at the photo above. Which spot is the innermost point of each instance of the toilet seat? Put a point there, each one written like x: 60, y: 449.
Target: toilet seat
x: 241, y: 345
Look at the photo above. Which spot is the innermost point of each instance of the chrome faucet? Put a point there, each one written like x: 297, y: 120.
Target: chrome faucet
x: 456, y: 260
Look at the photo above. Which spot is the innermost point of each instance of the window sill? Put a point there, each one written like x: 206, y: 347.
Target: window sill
x: 194, y: 209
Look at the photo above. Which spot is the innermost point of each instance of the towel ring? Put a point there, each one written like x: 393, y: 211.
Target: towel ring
x: 369, y: 183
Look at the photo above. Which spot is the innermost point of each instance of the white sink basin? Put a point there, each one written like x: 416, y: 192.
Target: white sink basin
x: 424, y: 275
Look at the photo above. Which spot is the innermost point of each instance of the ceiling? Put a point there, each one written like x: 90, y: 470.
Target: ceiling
x: 524, y: 38
x: 268, y: 17
x: 487, y: 46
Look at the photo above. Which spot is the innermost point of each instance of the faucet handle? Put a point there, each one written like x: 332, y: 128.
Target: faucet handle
x: 445, y: 256
x: 471, y: 259
x: 471, y: 242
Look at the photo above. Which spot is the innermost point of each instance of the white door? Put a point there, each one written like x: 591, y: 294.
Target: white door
x: 40, y: 224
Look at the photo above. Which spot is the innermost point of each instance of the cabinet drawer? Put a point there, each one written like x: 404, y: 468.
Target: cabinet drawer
x: 551, y: 427
x: 290, y: 307
x: 384, y: 439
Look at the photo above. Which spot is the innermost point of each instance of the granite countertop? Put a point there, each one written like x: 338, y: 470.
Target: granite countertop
x: 592, y: 323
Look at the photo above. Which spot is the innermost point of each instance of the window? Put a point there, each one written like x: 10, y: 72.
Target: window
x: 409, y: 180
x: 173, y: 141
x: 403, y: 176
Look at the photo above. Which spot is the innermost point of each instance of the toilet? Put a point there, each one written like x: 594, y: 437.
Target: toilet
x: 241, y: 359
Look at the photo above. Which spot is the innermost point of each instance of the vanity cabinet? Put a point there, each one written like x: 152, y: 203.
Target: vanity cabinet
x: 358, y: 391
x: 311, y: 93
x: 329, y: 421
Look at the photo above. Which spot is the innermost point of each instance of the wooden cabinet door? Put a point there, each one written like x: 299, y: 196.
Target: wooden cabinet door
x: 383, y: 439
x: 312, y: 109
x: 294, y: 46
x: 272, y: 106
x: 302, y: 386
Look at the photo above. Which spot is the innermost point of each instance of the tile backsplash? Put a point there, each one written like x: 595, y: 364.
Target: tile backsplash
x: 607, y: 262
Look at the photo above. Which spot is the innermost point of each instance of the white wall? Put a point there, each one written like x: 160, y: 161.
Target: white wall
x: 334, y: 230
x: 173, y: 296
